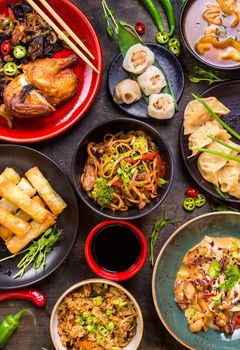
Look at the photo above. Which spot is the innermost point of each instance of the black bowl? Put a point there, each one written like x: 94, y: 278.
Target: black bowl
x: 188, y: 47
x: 96, y: 134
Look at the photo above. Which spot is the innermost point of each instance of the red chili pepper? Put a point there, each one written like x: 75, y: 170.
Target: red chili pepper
x: 140, y: 28
x: 191, y: 192
x: 209, y: 295
x: 25, y: 294
x: 117, y: 183
x: 146, y: 156
x: 5, y: 47
x: 237, y: 320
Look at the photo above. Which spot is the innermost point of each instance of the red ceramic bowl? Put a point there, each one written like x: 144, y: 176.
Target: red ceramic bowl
x: 116, y: 276
x: 32, y: 130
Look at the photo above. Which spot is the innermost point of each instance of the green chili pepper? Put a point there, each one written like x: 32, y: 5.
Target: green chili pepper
x: 174, y: 41
x: 175, y: 50
x: 10, y: 69
x: 189, y: 204
x: 200, y: 200
x: 151, y: 7
x: 168, y: 7
x: 8, y: 327
x: 19, y: 52
x: 162, y: 38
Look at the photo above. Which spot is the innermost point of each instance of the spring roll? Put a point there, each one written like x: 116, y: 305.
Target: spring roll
x: 11, y: 174
x: 5, y: 233
x: 17, y: 196
x: 55, y: 203
x: 15, y: 244
x: 26, y: 187
x: 14, y: 224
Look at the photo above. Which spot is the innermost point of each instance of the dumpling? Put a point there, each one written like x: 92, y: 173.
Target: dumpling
x: 152, y: 81
x: 210, y: 164
x: 127, y: 91
x: 138, y: 58
x: 196, y: 114
x: 200, y: 139
x: 161, y: 106
x: 229, y: 179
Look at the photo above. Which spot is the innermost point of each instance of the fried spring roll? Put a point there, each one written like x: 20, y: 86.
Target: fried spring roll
x: 26, y: 187
x: 11, y: 174
x: 15, y: 244
x: 17, y: 196
x: 14, y: 224
x: 45, y: 190
x: 5, y: 233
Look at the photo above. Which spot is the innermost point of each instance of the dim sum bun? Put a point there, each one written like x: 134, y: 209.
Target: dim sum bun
x: 152, y: 81
x: 161, y: 106
x: 138, y: 58
x: 127, y: 91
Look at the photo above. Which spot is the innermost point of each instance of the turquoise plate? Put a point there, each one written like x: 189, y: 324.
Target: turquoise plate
x: 225, y: 224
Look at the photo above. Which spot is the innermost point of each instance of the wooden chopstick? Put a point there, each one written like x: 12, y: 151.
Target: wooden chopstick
x: 62, y: 35
x: 66, y: 27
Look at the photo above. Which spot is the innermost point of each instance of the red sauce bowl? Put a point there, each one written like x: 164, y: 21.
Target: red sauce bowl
x: 112, y: 275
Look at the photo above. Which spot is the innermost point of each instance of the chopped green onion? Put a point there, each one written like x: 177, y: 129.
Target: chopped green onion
x: 85, y: 314
x: 110, y: 326
x: 109, y: 313
x: 99, y: 300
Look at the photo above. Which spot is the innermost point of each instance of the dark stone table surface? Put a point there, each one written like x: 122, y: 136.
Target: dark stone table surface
x: 61, y: 150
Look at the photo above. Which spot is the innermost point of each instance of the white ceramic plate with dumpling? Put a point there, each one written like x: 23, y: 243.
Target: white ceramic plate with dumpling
x: 228, y: 94
x: 168, y: 62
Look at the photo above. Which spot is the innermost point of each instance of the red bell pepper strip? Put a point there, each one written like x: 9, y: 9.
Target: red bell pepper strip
x: 146, y: 156
x: 117, y: 183
x: 209, y: 295
x: 24, y: 294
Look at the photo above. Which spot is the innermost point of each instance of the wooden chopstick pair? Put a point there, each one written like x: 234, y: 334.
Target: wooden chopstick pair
x: 61, y: 34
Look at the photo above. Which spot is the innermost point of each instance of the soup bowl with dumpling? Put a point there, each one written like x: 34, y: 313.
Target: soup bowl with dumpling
x: 210, y: 31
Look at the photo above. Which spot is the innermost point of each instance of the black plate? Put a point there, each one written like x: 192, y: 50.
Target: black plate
x: 167, y: 61
x: 228, y: 93
x: 21, y: 159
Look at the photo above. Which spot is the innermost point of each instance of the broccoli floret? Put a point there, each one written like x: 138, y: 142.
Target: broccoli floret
x: 102, y: 192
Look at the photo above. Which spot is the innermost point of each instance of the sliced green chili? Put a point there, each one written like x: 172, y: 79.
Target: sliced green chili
x: 189, y: 204
x: 162, y: 37
x: 200, y: 201
x: 10, y: 69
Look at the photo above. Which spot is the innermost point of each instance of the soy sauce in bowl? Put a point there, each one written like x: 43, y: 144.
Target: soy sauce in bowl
x: 116, y: 248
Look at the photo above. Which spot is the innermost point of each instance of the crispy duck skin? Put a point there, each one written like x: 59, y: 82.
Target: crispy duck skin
x: 52, y: 77
x: 45, y: 84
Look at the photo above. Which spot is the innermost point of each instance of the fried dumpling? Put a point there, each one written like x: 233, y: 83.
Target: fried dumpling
x: 127, y: 91
x: 152, y: 81
x: 161, y: 106
x: 210, y: 164
x: 229, y: 179
x: 196, y: 114
x: 138, y: 58
x: 200, y: 138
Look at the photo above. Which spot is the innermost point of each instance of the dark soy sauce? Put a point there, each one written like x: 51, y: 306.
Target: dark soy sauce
x: 116, y: 248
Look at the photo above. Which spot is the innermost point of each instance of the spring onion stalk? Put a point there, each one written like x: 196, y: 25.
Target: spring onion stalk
x: 215, y: 116
x: 220, y: 154
x: 224, y: 144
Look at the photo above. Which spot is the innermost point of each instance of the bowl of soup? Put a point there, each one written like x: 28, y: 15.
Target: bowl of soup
x: 210, y: 30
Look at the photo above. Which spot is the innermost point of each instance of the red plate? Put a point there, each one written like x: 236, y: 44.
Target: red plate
x: 39, y: 129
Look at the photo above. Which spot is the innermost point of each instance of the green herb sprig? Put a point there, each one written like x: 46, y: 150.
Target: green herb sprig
x: 219, y: 206
x: 37, y: 251
x: 201, y: 74
x: 158, y: 226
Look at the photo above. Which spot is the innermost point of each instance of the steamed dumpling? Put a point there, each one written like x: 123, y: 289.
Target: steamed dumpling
x: 200, y: 139
x: 127, y: 91
x: 210, y: 164
x: 161, y: 106
x: 152, y: 81
x: 138, y: 58
x: 229, y: 179
x: 196, y: 114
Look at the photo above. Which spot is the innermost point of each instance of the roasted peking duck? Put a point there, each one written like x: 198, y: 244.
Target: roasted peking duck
x: 45, y: 84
